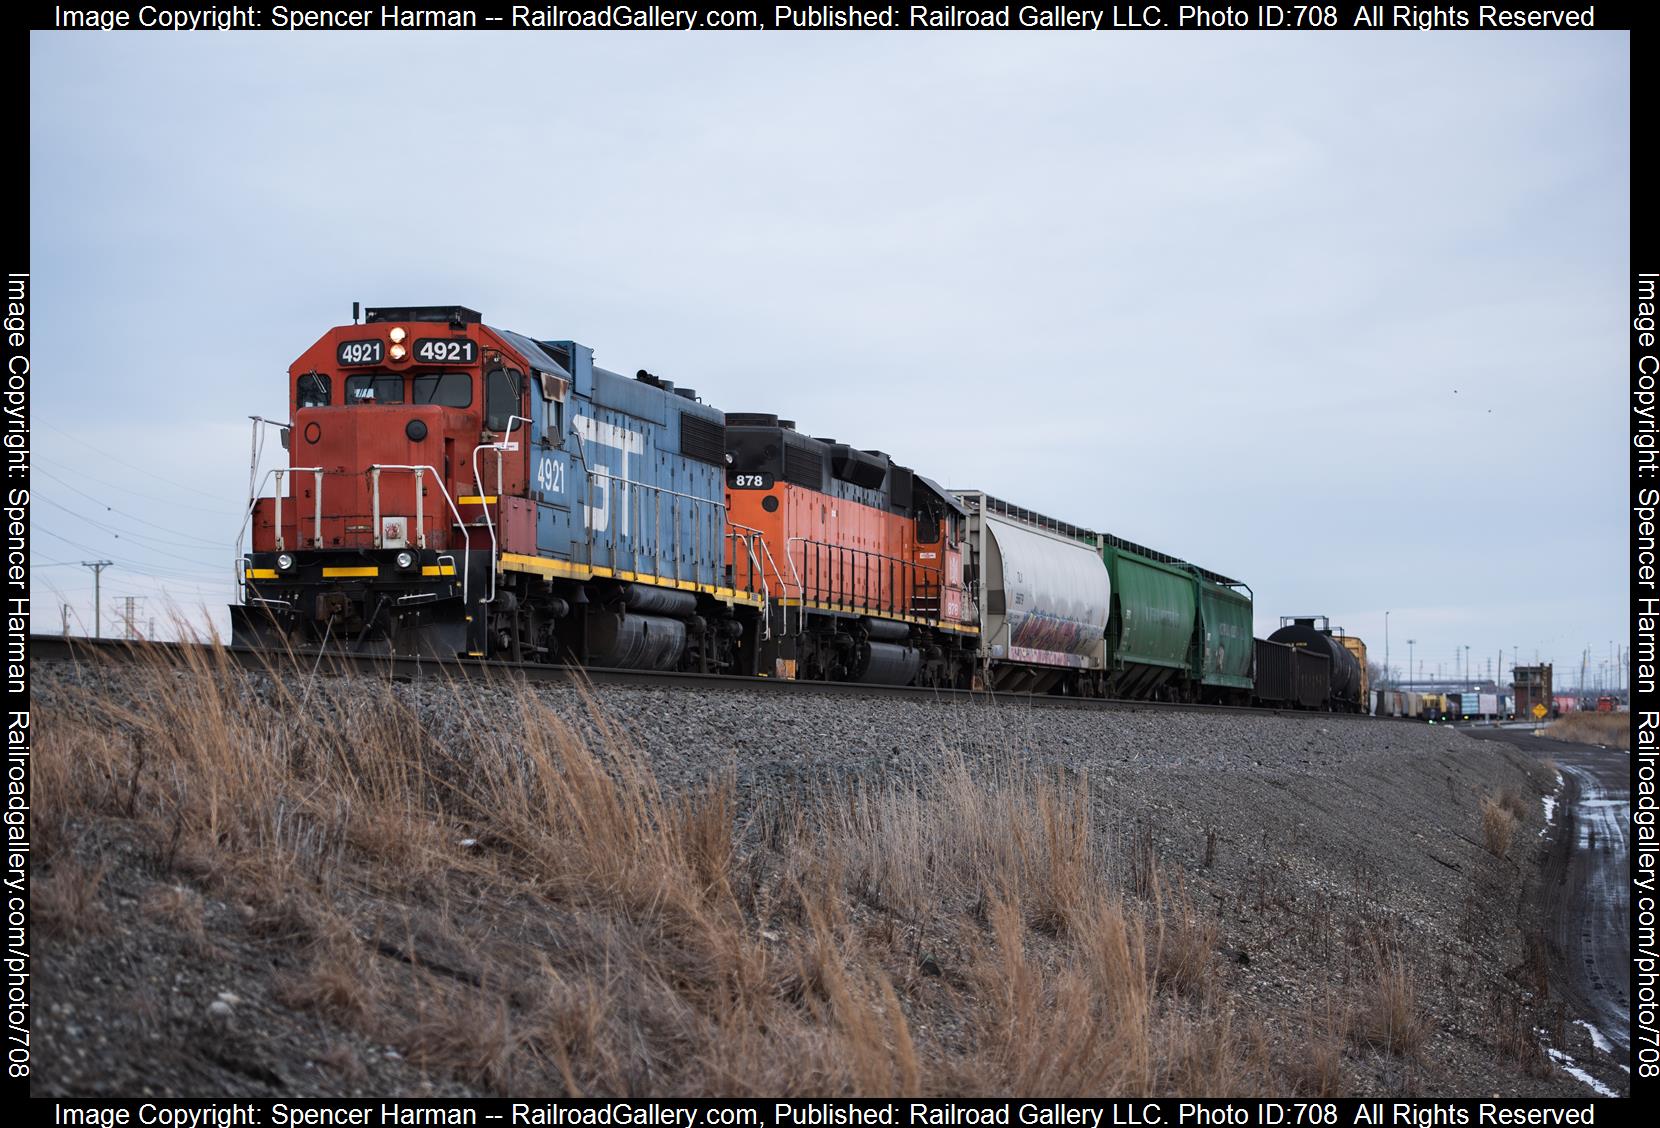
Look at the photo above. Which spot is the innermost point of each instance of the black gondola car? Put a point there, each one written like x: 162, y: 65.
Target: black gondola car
x: 1313, y: 634
x: 1291, y: 677
x: 1313, y: 674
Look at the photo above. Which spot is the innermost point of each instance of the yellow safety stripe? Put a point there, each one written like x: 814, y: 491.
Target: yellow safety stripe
x: 475, y: 499
x: 515, y: 562
x: 333, y: 573
x: 813, y: 604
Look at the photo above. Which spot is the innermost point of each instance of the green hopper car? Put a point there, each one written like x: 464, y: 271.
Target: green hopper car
x: 1175, y: 631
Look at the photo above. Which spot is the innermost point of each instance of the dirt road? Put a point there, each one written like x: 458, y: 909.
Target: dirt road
x: 1585, y: 894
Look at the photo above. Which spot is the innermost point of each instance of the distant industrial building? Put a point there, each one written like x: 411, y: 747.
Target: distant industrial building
x: 1533, y: 692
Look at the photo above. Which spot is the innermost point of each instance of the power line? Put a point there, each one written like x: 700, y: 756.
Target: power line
x: 111, y: 509
x: 138, y: 540
x: 136, y: 493
x: 130, y: 465
x: 160, y: 572
x: 148, y: 541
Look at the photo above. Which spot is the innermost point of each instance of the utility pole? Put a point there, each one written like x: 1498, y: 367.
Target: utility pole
x: 1411, y: 677
x: 63, y: 609
x: 97, y: 567
x: 1386, y: 649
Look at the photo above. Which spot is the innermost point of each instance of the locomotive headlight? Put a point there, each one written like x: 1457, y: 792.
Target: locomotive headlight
x: 406, y: 560
x: 397, y: 335
x: 285, y: 562
x: 398, y: 352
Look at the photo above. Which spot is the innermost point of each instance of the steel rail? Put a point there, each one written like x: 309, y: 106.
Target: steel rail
x: 408, y: 668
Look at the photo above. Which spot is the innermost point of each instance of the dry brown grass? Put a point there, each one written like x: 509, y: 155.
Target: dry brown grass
x: 1612, y: 730
x: 1186, y: 941
x: 522, y: 906
x: 1511, y: 800
x: 1498, y: 826
x: 1316, y: 1067
x: 64, y: 899
x: 1389, y: 1016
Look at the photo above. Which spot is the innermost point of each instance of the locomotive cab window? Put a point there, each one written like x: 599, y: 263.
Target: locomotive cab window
x: 447, y: 389
x: 501, y: 398
x: 927, y: 527
x: 553, y: 405
x: 312, y: 390
x: 374, y: 389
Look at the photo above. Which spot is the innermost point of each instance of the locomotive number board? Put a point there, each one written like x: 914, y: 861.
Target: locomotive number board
x: 446, y: 350
x: 749, y: 481
x: 361, y: 352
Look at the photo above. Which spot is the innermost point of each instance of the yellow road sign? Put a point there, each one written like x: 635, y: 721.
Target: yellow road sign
x: 1539, y: 710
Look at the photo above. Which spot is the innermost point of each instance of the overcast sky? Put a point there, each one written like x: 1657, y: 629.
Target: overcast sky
x: 1339, y: 314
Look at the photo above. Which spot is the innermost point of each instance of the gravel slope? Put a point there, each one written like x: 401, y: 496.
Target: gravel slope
x: 1309, y: 841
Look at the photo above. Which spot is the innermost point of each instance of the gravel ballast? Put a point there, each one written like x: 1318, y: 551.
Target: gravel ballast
x: 1302, y: 837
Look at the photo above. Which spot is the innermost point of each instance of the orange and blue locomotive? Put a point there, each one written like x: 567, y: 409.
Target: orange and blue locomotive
x: 459, y: 489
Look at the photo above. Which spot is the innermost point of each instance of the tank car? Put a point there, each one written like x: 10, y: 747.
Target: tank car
x: 453, y: 488
x: 1357, y: 648
x: 1313, y: 632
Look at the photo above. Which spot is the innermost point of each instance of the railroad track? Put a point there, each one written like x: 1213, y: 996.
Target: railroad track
x: 303, y: 663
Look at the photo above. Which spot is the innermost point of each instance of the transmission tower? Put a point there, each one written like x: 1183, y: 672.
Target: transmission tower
x: 130, y: 608
x: 97, y: 567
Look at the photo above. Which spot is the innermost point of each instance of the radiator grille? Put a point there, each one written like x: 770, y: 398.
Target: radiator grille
x: 803, y: 467
x: 702, y: 439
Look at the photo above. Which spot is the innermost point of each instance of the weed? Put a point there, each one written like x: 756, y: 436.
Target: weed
x: 1498, y: 827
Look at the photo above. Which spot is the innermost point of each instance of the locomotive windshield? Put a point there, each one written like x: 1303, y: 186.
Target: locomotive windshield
x: 374, y: 389
x: 447, y: 389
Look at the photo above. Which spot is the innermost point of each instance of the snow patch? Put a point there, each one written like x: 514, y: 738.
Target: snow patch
x: 1578, y: 1074
x: 1597, y: 1038
x: 1550, y: 812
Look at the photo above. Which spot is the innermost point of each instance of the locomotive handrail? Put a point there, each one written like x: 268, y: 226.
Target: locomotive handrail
x: 750, y: 538
x: 253, y: 499
x: 484, y: 505
x: 420, y: 472
x: 717, y: 507
x: 483, y: 502
x: 863, y: 559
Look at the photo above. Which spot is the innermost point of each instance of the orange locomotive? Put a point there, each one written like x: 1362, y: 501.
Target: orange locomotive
x: 863, y: 559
